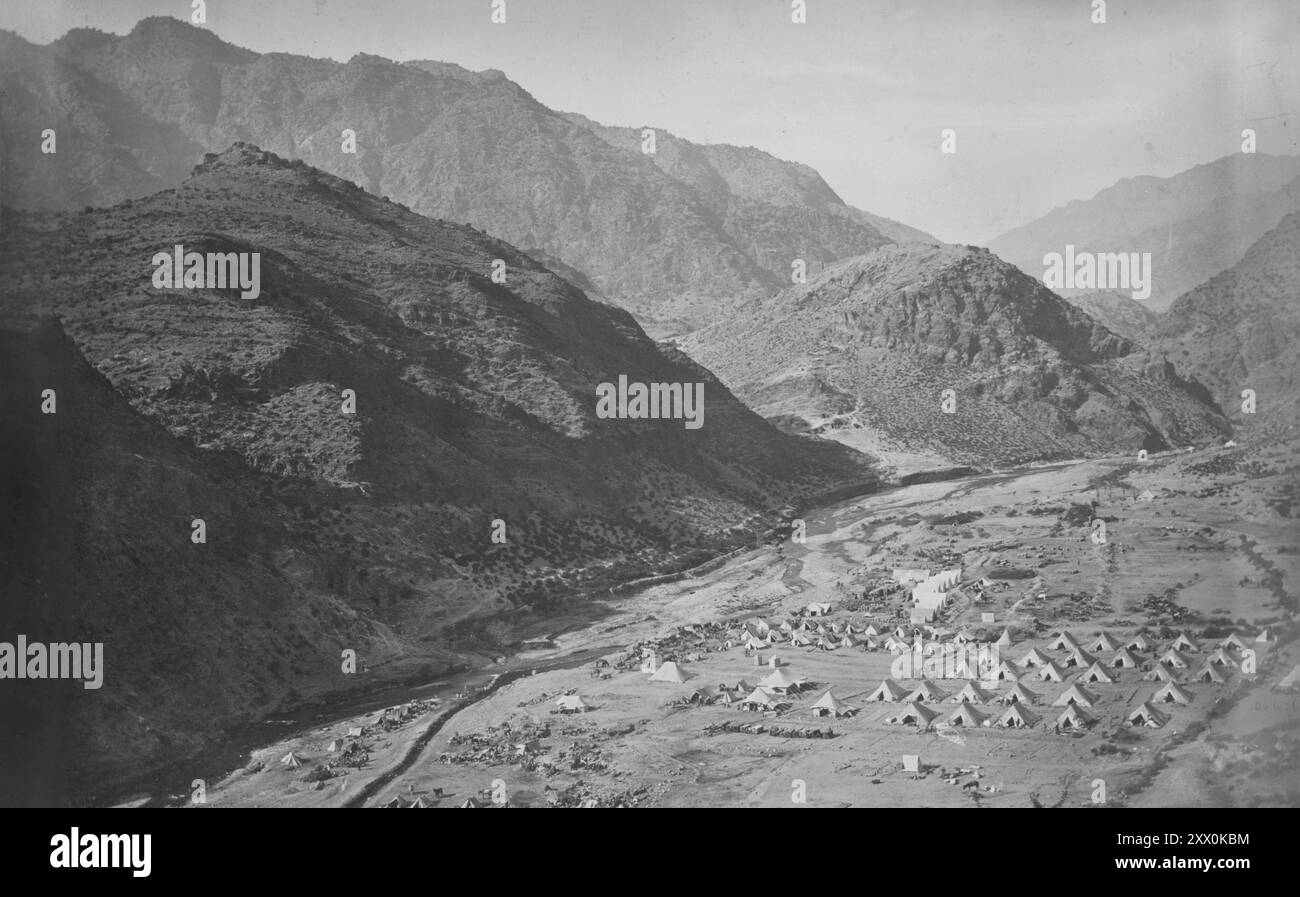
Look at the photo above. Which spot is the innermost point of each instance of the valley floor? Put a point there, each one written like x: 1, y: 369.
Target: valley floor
x: 1214, y: 537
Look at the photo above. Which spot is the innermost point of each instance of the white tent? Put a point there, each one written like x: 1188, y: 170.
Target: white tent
x: 1035, y: 658
x: 888, y: 690
x: 572, y: 704
x: 669, y: 671
x: 926, y: 691
x: 758, y: 699
x: 968, y: 716
x: 1172, y: 693
x: 915, y: 714
x: 1147, y: 715
x: 973, y: 694
x: 1073, y: 717
x: 1051, y: 672
x: 1184, y: 643
x: 1125, y: 659
x: 1097, y: 673
x: 1019, y: 694
x: 1104, y: 643
x: 1018, y: 716
x: 1004, y: 671
x: 781, y: 680
x: 1174, y: 658
x: 1291, y: 680
x: 1005, y: 640
x: 1138, y: 643
x: 829, y: 705
x: 1160, y: 673
x: 1233, y: 641
x: 1208, y: 673
x: 290, y: 760
x: 1064, y: 642
x: 1075, y: 694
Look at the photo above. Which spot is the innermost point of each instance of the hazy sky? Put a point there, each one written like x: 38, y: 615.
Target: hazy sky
x: 1047, y: 106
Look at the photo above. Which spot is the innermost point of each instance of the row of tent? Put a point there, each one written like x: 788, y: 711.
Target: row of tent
x: 1019, y: 716
x: 890, y: 691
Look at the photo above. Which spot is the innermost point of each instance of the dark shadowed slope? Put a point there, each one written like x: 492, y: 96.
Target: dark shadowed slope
x: 475, y: 402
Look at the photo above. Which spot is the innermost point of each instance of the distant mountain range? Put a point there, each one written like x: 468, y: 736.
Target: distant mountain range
x: 674, y: 237
x: 1195, y: 224
x: 475, y: 403
x: 1241, y: 330
x: 864, y: 353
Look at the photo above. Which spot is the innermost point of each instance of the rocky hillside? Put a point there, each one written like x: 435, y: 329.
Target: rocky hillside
x: 865, y: 351
x: 1241, y: 330
x: 475, y: 402
x: 1195, y: 224
x: 671, y: 237
x: 1116, y: 311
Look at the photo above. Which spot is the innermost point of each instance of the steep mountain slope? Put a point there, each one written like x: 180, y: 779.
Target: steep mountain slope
x: 864, y: 352
x: 1241, y: 330
x: 1117, y: 312
x: 1195, y: 224
x: 133, y: 113
x: 475, y: 402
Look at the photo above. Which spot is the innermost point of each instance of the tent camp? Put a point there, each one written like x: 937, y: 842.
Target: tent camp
x: 781, y: 681
x: 1173, y: 658
x: 1184, y: 643
x: 1147, y: 715
x: 1019, y: 694
x: 888, y: 690
x: 1097, y: 673
x: 290, y: 760
x: 1208, y: 673
x: 1160, y: 673
x: 1125, y: 659
x: 1104, y: 643
x: 1051, y: 673
x: 1075, y: 694
x: 968, y: 716
x: 1018, y: 716
x: 829, y: 705
x: 1172, y: 693
x: 669, y: 671
x: 1034, y: 658
x: 1074, y: 718
x: 973, y: 694
x: 915, y: 714
x: 926, y: 691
